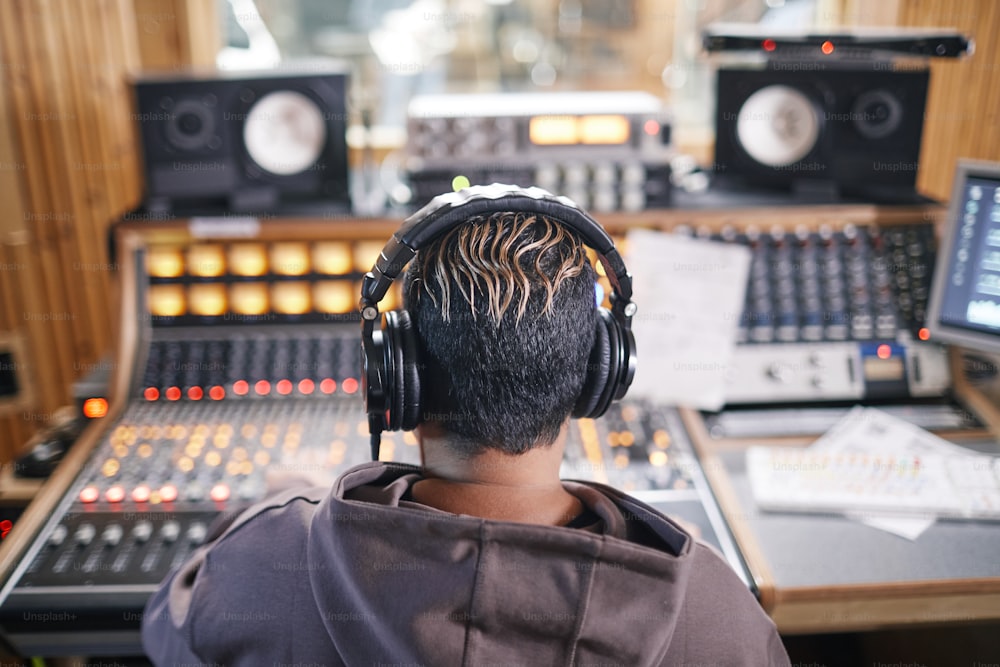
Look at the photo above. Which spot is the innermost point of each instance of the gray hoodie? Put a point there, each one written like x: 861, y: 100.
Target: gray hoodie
x: 362, y: 576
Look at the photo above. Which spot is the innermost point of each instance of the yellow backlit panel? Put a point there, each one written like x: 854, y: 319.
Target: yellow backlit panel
x: 207, y: 300
x: 291, y: 298
x: 365, y: 254
x: 335, y: 296
x: 552, y: 130
x: 248, y: 298
x: 332, y: 257
x: 206, y: 260
x: 290, y: 259
x: 248, y: 259
x: 167, y: 300
x: 164, y: 261
x: 610, y: 129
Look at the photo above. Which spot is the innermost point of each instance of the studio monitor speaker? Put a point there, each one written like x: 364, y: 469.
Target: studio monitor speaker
x: 253, y: 143
x: 851, y: 128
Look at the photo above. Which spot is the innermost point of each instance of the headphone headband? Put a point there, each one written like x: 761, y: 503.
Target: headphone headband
x: 449, y: 210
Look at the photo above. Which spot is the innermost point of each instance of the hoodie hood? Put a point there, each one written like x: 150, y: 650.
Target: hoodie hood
x: 435, y: 588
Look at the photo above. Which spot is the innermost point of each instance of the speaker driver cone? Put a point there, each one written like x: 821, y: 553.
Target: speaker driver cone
x: 285, y: 133
x: 777, y: 126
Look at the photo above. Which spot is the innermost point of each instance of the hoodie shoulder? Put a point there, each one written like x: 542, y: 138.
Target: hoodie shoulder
x: 722, y: 623
x: 241, y: 596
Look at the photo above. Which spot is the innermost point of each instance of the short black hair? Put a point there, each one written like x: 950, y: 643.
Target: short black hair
x: 505, y: 311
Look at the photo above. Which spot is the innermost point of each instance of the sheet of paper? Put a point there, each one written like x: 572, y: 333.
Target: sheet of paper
x: 689, y: 293
x: 909, y: 527
x: 872, y: 431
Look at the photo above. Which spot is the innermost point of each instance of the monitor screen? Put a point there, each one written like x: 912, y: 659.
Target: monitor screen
x: 964, y: 307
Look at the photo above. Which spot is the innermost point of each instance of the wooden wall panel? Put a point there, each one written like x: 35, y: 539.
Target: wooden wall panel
x: 963, y: 106
x: 69, y: 166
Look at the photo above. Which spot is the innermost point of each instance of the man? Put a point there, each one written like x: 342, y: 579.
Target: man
x: 481, y: 555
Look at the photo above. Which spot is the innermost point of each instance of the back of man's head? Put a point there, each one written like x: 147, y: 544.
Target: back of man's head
x: 505, y: 312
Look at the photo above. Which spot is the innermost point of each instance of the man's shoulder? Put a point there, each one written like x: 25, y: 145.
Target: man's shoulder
x: 276, y: 520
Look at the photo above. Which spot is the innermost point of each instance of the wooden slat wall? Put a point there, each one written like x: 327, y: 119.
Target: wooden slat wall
x: 963, y: 105
x: 69, y: 165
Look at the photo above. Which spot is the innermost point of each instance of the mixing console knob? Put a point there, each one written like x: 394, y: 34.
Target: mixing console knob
x: 196, y: 532
x: 170, y: 531
x: 779, y: 372
x: 112, y: 535
x: 58, y: 535
x: 84, y: 534
x: 142, y: 532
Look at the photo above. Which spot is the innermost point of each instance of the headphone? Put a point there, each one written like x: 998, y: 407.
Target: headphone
x: 390, y: 353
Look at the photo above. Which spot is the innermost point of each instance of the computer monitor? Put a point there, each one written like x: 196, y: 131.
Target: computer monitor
x: 964, y: 306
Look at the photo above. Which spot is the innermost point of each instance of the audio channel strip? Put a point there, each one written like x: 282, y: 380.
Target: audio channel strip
x: 238, y: 374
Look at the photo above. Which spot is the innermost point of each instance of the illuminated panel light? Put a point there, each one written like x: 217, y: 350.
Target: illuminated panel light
x: 141, y: 493
x: 195, y: 393
x: 610, y: 129
x: 291, y: 298
x: 89, y: 494
x: 173, y: 393
x: 164, y: 262
x: 283, y: 387
x: 168, y: 493
x: 241, y: 387
x: 167, y: 300
x: 114, y: 494
x: 5, y: 527
x: 769, y: 45
x: 263, y: 387
x: 651, y: 127
x: 207, y: 300
x: 248, y: 298
x: 248, y: 259
x: 349, y: 385
x: 216, y: 393
x: 365, y: 254
x: 924, y: 333
x: 826, y: 47
x: 219, y: 493
x: 552, y: 130
x: 290, y: 259
x: 306, y: 386
x: 332, y: 257
x: 327, y: 386
x: 334, y: 296
x: 95, y: 408
x: 151, y: 393
x: 206, y: 260
x: 883, y: 351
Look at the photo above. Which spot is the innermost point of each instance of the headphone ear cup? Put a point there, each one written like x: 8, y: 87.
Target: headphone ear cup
x: 402, y: 364
x: 598, y: 369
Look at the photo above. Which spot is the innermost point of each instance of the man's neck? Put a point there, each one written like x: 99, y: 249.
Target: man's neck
x: 523, y: 488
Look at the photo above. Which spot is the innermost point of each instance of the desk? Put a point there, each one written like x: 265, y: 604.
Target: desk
x: 827, y: 573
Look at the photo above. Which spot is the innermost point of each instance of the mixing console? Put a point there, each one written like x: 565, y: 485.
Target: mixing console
x: 836, y: 315
x: 166, y: 471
